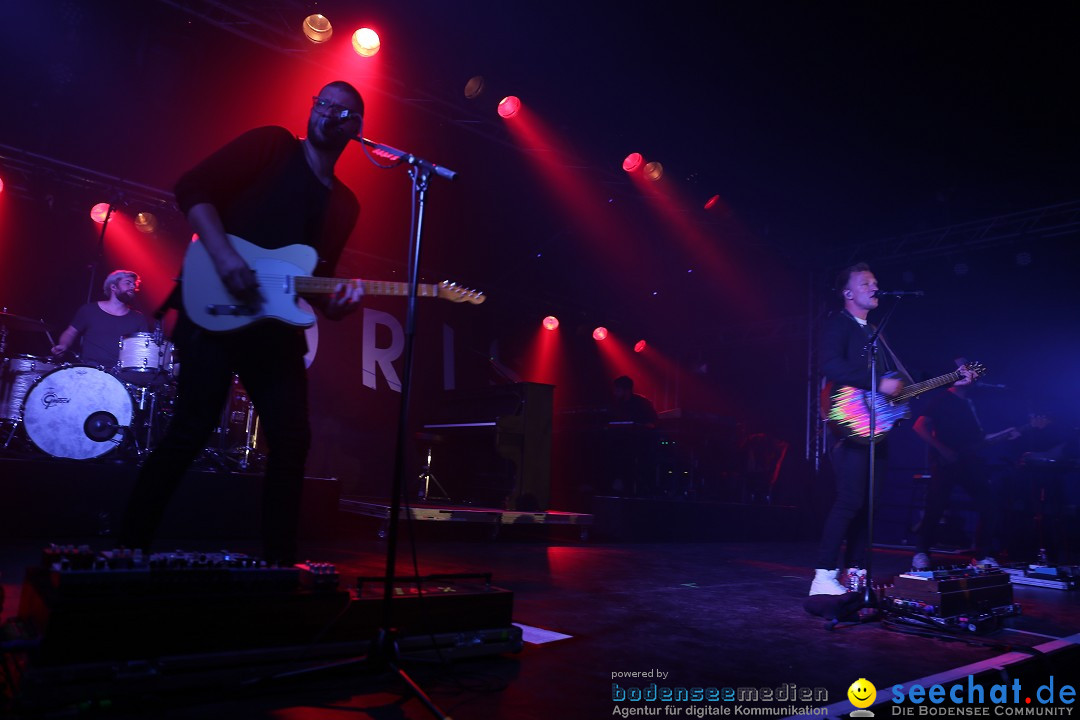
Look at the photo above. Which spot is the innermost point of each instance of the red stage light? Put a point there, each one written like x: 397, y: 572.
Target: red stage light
x: 551, y: 322
x: 509, y: 106
x: 99, y: 212
x: 711, y: 202
x: 1, y: 185
x: 633, y: 162
x: 599, y: 333
x: 639, y: 346
x: 365, y: 42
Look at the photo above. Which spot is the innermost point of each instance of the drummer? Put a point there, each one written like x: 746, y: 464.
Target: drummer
x: 101, y: 324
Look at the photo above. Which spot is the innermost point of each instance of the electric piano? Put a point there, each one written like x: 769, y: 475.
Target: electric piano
x: 493, y: 446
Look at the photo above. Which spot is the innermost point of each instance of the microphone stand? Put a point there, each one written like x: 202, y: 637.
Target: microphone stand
x: 384, y: 649
x: 869, y: 610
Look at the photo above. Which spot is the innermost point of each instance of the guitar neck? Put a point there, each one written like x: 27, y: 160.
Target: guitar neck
x: 321, y: 286
x: 919, y: 388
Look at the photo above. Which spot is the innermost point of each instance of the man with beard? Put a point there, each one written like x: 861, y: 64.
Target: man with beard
x: 101, y: 324
x: 273, y: 190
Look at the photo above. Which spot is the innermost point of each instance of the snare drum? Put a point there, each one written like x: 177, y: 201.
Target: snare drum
x: 17, y: 376
x: 142, y: 360
x: 77, y: 412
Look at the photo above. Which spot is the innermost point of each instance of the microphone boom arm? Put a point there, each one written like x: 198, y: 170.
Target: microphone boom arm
x: 443, y: 172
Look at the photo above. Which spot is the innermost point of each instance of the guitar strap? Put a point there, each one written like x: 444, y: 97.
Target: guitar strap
x: 896, y: 361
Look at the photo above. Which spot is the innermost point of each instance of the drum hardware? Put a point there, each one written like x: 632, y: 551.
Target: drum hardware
x: 247, y: 453
x: 147, y: 412
x: 427, y: 478
x: 11, y: 321
x: 237, y: 438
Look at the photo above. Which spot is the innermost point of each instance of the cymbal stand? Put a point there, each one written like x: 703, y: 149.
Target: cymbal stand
x: 247, y: 452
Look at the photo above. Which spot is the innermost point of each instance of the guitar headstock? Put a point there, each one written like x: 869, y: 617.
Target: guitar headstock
x: 977, y: 369
x: 455, y: 293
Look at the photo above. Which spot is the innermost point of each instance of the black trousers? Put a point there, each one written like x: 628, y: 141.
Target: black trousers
x: 970, y: 473
x: 269, y: 360
x: 846, y: 523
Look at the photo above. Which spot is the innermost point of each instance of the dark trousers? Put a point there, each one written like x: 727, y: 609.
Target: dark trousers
x: 845, y: 525
x: 268, y: 358
x: 969, y: 473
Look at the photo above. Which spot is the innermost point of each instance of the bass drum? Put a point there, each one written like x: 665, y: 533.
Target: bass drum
x: 77, y: 412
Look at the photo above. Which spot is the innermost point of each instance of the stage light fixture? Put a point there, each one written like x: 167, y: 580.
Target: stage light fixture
x: 711, y: 202
x: 475, y: 87
x: 600, y: 333
x: 365, y: 42
x: 1, y: 185
x: 633, y: 162
x: 640, y: 346
x: 550, y: 322
x: 654, y: 170
x: 509, y: 106
x: 146, y: 222
x: 317, y: 28
x: 99, y: 212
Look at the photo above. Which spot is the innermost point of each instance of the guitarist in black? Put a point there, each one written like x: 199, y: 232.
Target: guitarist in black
x: 950, y: 426
x: 274, y: 190
x: 843, y: 360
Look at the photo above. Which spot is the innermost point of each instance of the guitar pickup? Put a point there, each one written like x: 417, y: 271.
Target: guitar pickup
x: 230, y: 310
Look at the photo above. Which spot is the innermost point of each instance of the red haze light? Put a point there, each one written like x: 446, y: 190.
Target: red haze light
x: 509, y: 106
x: 599, y: 333
x: 99, y: 212
x: 550, y: 322
x: 639, y: 346
x: 633, y: 162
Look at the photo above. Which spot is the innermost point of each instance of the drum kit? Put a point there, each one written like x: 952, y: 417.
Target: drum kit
x: 82, y: 412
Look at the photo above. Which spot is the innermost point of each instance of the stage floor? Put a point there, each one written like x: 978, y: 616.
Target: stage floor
x: 679, y: 614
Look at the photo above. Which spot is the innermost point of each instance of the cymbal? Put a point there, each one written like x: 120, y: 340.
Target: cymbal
x: 18, y: 322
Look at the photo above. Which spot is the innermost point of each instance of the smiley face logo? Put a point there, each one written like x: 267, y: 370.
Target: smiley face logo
x: 862, y: 693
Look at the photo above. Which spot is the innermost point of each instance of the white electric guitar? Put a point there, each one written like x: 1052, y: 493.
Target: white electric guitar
x: 283, y: 274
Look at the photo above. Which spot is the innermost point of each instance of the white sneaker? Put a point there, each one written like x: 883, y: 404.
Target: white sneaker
x: 825, y: 583
x: 921, y: 561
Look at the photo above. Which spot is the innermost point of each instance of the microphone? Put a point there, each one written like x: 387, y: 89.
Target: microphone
x: 898, y: 293
x: 395, y: 154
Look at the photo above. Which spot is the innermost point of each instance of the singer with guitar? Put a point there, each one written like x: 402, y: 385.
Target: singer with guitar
x: 274, y: 190
x: 844, y: 361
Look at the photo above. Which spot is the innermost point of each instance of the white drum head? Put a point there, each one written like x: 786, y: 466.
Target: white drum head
x: 77, y: 412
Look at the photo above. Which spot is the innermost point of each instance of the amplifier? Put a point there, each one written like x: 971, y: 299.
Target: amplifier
x: 969, y: 598
x: 86, y: 606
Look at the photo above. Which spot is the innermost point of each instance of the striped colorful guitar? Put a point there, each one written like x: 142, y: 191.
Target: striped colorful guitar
x: 849, y: 407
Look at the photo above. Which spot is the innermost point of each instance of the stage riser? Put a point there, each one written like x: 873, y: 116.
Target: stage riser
x: 53, y: 501
x: 632, y: 519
